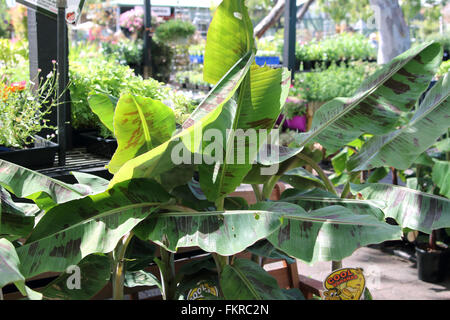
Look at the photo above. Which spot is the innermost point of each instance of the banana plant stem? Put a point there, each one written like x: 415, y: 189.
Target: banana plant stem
x: 336, y: 265
x: 167, y: 270
x: 119, y: 268
x: 257, y: 192
x: 320, y: 172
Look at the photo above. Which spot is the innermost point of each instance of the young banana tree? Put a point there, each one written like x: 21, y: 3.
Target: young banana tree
x: 99, y: 226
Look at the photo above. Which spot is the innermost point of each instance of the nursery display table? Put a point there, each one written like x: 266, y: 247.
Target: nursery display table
x: 78, y: 160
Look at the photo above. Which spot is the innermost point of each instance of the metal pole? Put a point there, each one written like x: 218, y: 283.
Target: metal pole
x: 290, y: 23
x: 63, y: 80
x: 147, y: 40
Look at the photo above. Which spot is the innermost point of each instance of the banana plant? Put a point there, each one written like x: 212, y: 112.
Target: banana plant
x: 101, y: 225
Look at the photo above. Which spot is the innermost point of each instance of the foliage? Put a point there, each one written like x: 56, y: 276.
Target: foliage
x: 23, y: 111
x: 336, y: 81
x: 14, y: 66
x: 194, y: 77
x: 130, y: 52
x: 92, y: 72
x: 197, y: 49
x: 443, y: 69
x: 174, y: 30
x: 343, y: 46
x: 127, y: 52
x: 351, y: 11
x: 294, y: 107
x: 270, y: 46
x: 4, y: 21
x: 152, y: 198
x: 443, y: 39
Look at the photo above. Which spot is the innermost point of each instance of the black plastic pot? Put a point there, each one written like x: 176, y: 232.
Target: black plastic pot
x: 41, y: 155
x: 432, y: 266
x: 97, y: 145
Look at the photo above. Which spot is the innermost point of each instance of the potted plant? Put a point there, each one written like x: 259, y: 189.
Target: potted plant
x: 295, y: 113
x: 175, y: 30
x: 432, y: 255
x: 95, y: 73
x: 23, y: 116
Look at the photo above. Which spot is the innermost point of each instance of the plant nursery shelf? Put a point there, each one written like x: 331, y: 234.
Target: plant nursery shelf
x: 78, y: 160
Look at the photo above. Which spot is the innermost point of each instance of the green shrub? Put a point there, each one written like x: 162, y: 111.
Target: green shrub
x: 344, y: 46
x: 126, y: 51
x: 130, y: 52
x: 336, y: 81
x: 294, y: 107
x: 175, y: 29
x: 92, y: 72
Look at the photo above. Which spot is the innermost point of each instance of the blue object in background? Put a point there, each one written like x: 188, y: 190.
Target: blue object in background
x: 260, y: 61
x: 196, y: 59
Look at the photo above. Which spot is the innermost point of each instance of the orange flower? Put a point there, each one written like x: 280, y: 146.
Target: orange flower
x: 17, y: 86
x: 14, y: 87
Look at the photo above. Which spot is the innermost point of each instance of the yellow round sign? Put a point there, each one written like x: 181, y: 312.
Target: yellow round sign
x: 344, y: 284
x: 197, y: 293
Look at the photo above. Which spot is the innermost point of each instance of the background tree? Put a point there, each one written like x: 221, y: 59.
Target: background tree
x: 349, y: 11
x: 275, y: 15
x: 394, y: 32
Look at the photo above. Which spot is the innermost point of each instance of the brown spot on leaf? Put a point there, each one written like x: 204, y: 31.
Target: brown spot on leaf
x: 397, y: 86
x: 285, y: 233
x: 71, y: 248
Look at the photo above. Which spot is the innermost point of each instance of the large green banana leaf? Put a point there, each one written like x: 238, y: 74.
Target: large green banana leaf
x: 159, y: 160
x: 226, y: 233
x: 441, y: 176
x: 400, y: 148
x: 96, y: 183
x: 443, y: 145
x: 10, y: 270
x: 261, y: 97
x: 16, y: 219
x: 246, y: 280
x: 327, y: 234
x: 43, y: 190
x: 230, y: 37
x: 310, y: 200
x: 140, y: 124
x: 330, y: 233
x: 73, y: 230
x: 302, y: 179
x: 94, y: 273
x: 377, y: 105
x: 103, y: 106
x: 410, y: 208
